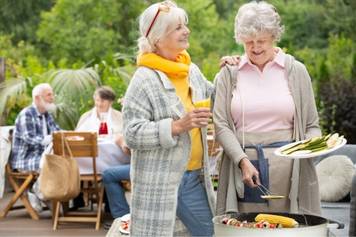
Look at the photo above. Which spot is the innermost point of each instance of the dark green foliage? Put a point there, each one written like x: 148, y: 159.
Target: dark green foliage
x: 341, y: 18
x: 338, y: 110
x: 224, y: 8
x: 304, y: 26
x: 85, y: 30
x: 40, y: 36
x: 353, y: 71
x: 20, y: 18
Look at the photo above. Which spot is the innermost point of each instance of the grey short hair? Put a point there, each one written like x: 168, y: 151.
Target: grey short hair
x: 254, y: 18
x: 105, y: 93
x: 162, y: 25
x: 38, y: 89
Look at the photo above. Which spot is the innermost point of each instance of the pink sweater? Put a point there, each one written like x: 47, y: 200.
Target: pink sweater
x: 263, y: 96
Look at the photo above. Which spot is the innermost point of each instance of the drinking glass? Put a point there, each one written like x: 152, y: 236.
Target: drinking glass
x: 103, y: 128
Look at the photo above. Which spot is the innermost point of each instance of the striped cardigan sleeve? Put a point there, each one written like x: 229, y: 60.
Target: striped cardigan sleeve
x: 141, y: 129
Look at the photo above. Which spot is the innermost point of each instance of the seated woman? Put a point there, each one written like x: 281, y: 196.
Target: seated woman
x: 90, y: 121
x: 115, y: 192
x: 104, y: 97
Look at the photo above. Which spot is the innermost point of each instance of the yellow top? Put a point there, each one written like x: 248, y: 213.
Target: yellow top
x: 178, y: 72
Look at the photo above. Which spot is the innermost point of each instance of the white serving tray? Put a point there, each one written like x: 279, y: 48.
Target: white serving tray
x: 303, y: 155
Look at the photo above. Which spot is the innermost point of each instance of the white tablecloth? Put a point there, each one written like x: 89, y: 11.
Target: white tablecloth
x: 109, y: 155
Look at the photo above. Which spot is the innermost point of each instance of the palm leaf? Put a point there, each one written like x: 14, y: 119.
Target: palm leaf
x: 74, y: 82
x: 73, y: 88
x: 123, y: 73
x: 10, y: 90
x: 66, y: 115
x: 125, y: 57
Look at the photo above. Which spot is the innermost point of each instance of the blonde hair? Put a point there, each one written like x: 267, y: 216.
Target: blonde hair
x: 254, y: 18
x: 163, y: 24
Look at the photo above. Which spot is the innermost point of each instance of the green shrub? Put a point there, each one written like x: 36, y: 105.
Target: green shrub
x: 338, y: 108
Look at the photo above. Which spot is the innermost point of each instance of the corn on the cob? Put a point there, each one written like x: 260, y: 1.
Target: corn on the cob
x: 276, y: 219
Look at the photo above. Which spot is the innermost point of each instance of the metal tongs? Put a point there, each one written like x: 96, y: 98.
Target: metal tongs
x: 265, y: 191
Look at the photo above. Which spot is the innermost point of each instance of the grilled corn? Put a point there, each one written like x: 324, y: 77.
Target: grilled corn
x: 276, y: 219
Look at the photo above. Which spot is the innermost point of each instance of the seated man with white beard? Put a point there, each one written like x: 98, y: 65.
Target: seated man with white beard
x: 33, y: 132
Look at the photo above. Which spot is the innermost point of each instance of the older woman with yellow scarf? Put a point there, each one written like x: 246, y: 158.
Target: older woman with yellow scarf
x: 165, y: 131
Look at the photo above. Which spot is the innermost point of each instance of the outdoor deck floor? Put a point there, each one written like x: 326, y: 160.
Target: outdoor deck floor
x: 19, y: 223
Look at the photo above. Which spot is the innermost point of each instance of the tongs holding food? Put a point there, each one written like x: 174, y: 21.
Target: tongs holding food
x: 268, y: 194
x: 265, y: 191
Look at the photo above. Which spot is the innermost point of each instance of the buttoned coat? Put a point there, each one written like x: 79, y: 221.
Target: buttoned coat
x: 304, y: 192
x: 158, y: 158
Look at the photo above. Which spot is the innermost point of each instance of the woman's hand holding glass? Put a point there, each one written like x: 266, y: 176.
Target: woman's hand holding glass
x: 197, y: 118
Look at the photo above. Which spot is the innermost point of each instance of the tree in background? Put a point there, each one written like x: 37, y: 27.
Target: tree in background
x: 338, y: 108
x: 74, y: 93
x: 337, y: 88
x: 39, y: 37
x: 212, y: 34
x: 304, y: 25
x: 341, y: 18
x: 340, y: 57
x: 84, y: 30
x: 20, y: 18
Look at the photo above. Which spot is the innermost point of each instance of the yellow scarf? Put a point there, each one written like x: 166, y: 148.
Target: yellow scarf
x: 177, y: 71
x: 173, y: 69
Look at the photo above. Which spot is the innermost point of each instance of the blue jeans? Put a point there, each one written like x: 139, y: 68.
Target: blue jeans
x: 114, y: 191
x: 193, y: 206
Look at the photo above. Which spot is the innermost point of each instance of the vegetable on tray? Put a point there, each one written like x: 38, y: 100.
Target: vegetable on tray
x: 314, y: 144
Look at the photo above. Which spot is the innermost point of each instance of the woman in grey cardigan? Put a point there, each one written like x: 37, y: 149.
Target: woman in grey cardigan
x: 264, y: 102
x: 167, y: 135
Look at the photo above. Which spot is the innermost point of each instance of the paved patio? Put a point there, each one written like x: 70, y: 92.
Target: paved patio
x: 19, y: 223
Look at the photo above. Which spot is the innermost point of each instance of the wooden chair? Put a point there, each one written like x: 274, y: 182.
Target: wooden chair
x: 213, y: 145
x: 213, y: 150
x: 82, y: 144
x: 20, y: 182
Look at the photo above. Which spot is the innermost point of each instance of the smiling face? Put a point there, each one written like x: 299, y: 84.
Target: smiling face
x: 174, y: 42
x: 259, y: 49
x: 102, y: 105
x: 45, y: 101
x: 48, y: 95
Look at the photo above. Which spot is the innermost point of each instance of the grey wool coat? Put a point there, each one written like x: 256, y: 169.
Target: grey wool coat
x: 159, y: 160
x: 304, y: 192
